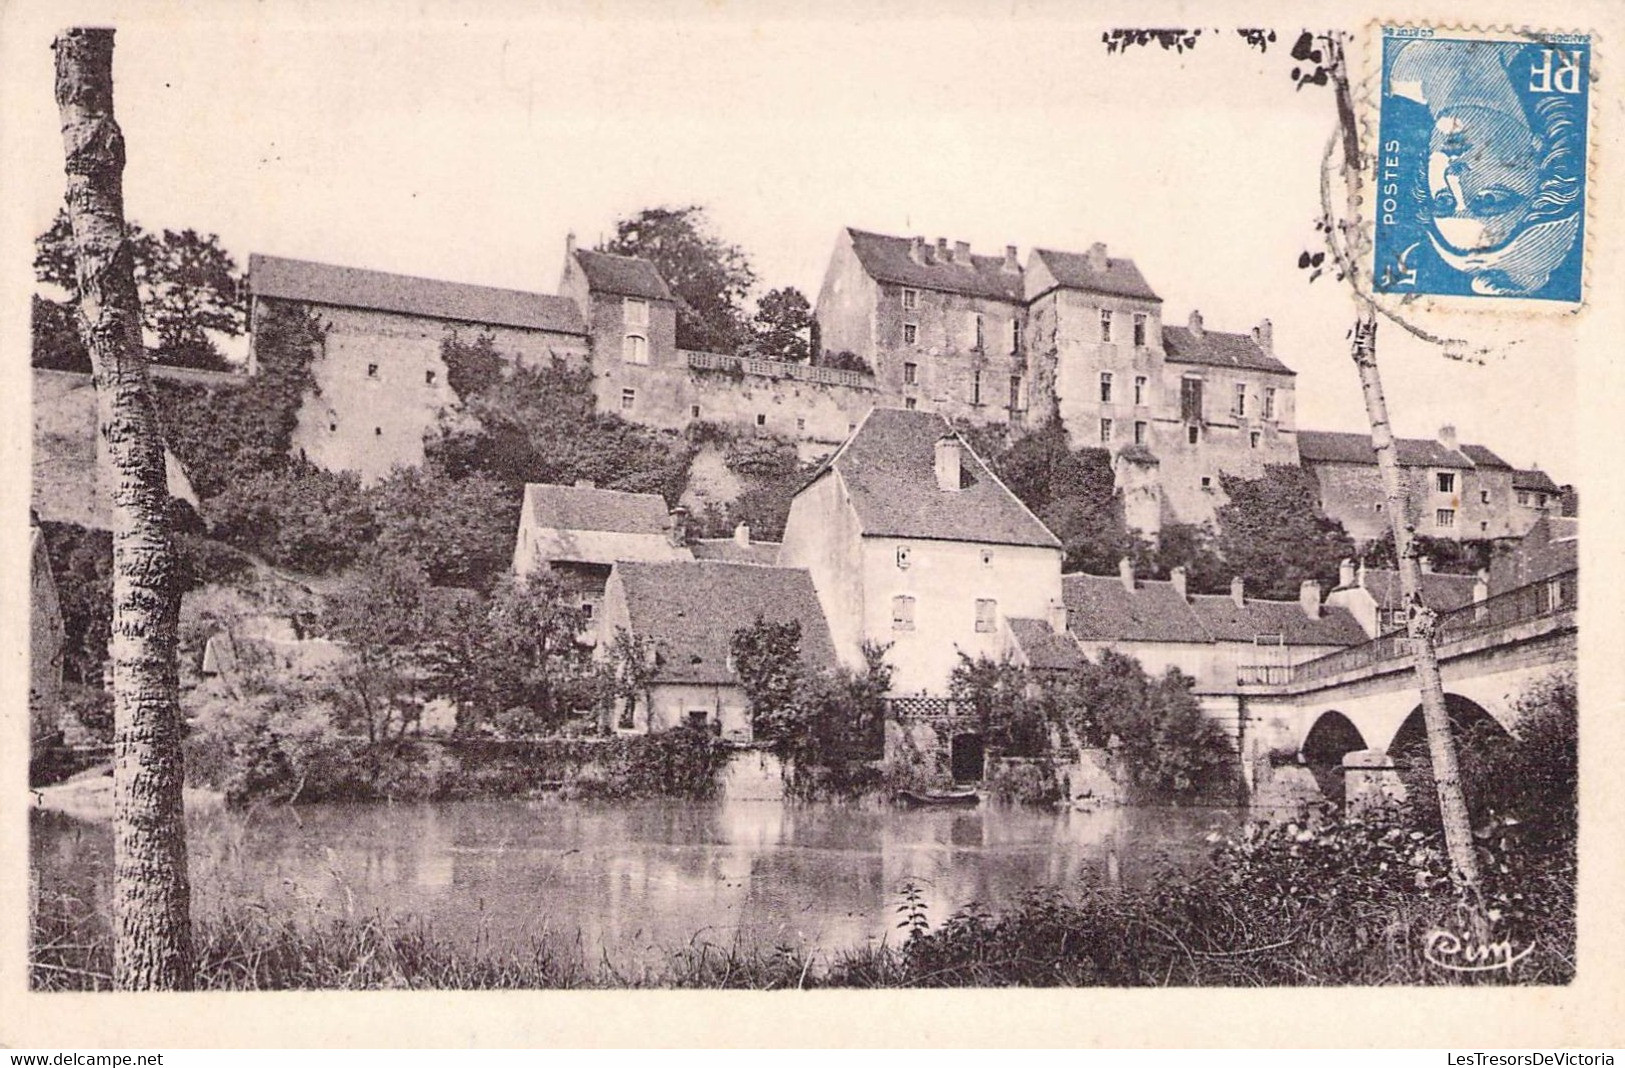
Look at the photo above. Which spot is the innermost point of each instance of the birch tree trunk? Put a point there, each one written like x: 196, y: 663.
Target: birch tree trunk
x: 151, y: 895
x: 1458, y: 831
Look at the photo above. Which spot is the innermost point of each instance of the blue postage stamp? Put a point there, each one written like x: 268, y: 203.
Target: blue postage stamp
x: 1481, y: 173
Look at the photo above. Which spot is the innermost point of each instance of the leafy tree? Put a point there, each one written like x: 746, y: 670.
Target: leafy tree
x: 1162, y: 738
x: 57, y: 345
x: 846, y: 360
x: 82, y: 566
x: 1192, y: 547
x: 302, y: 518
x: 631, y: 660
x: 767, y: 659
x: 998, y: 691
x: 460, y: 530
x: 189, y: 285
x: 1273, y: 534
x: 783, y: 325
x: 1446, y: 555
x: 384, y: 615
x: 709, y: 277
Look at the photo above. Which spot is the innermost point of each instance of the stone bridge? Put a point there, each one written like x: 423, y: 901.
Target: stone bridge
x: 1365, y: 700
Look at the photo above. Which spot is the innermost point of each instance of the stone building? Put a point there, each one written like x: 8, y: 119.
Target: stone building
x: 380, y: 381
x: 1536, y: 495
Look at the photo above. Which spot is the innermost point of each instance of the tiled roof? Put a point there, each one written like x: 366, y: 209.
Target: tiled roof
x: 1225, y: 621
x: 726, y: 549
x: 1075, y: 270
x: 586, y: 508
x: 692, y: 609
x: 623, y: 276
x: 65, y: 489
x: 352, y: 287
x: 888, y: 466
x: 887, y: 259
x: 1216, y: 349
x: 1100, y: 608
x: 1534, y: 479
x: 1551, y: 547
x: 1441, y: 592
x: 1483, y: 457
x: 1330, y: 446
x: 1044, y: 649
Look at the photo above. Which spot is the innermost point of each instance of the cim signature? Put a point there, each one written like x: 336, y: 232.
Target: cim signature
x: 1448, y: 950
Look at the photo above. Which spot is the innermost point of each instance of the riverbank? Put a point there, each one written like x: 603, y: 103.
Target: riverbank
x: 88, y: 796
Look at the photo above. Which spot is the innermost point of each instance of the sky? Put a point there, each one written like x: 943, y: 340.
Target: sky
x: 464, y: 143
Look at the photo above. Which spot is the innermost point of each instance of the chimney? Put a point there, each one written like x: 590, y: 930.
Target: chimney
x: 1359, y: 578
x: 1264, y: 336
x: 962, y: 253
x: 948, y: 457
x: 1125, y: 571
x: 916, y: 250
x: 678, y: 533
x: 942, y: 250
x: 1309, y: 598
x: 1427, y: 564
x: 1196, y: 323
x: 570, y: 244
x: 1447, y: 436
x: 1345, y: 574
x: 586, y: 483
x: 742, y: 534
x: 1056, y: 615
x: 1178, y: 576
x: 1097, y: 257
x: 1481, y: 586
x: 1010, y: 261
x: 1238, y: 592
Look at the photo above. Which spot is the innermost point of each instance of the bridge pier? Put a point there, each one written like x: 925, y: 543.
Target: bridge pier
x: 1370, y: 781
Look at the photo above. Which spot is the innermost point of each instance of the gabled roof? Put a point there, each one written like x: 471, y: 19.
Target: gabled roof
x: 1441, y: 592
x: 623, y: 276
x: 1330, y: 446
x: 1226, y: 621
x: 888, y: 466
x: 1100, y: 608
x: 585, y: 525
x: 65, y: 487
x: 1216, y: 349
x: 1044, y: 649
x: 353, y: 287
x: 1075, y: 270
x: 1483, y: 457
x: 731, y: 551
x: 887, y: 259
x: 1534, y: 479
x: 692, y: 609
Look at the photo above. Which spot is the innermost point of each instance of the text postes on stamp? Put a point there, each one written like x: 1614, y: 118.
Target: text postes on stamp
x: 1481, y: 172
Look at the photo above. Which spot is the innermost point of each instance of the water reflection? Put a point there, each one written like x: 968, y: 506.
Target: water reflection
x: 636, y: 879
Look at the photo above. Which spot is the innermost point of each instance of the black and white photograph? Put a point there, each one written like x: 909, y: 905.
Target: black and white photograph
x: 717, y: 497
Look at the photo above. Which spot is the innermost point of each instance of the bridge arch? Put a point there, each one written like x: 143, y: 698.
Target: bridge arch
x: 1467, y: 717
x: 1332, y: 737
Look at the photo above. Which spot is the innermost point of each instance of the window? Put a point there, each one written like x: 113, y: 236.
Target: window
x: 333, y: 427
x: 905, y: 556
x: 761, y: 418
x: 801, y: 423
x: 637, y: 312
x: 1269, y: 403
x: 1190, y: 401
x: 1482, y: 527
x: 1444, y: 517
x: 902, y: 612
x: 1139, y: 330
x: 910, y: 403
x: 635, y: 349
x: 1241, y: 398
x: 987, y: 557
x: 1105, y: 324
x: 911, y: 374
x: 981, y: 336
x: 1139, y: 389
x: 911, y: 334
x: 1015, y: 335
x: 1015, y: 393
x: 1207, y: 482
x: 976, y: 387
x: 629, y: 397
x: 372, y: 370
x: 986, y: 614
x: 911, y: 299
x: 695, y: 411
x: 1105, y: 387
x: 377, y: 431
x: 1140, y: 428
x: 1483, y: 496
x: 1252, y: 440
x: 1105, y: 431
x: 586, y: 611
x: 1446, y: 481
x: 1193, y: 433
x: 428, y: 378
x: 1523, y: 497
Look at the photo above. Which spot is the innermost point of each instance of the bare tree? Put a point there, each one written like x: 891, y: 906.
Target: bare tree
x: 151, y: 894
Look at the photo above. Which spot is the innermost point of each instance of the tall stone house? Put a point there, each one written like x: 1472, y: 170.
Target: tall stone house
x: 1077, y: 336
x: 911, y: 541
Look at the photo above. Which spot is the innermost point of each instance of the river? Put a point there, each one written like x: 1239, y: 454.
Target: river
x: 631, y: 880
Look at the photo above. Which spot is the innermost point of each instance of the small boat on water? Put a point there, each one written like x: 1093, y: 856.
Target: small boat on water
x: 932, y: 798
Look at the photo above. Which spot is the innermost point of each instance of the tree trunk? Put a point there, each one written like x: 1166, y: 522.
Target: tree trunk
x: 1458, y: 830
x: 151, y: 895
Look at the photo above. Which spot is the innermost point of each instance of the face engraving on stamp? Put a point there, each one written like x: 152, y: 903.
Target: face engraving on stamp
x: 1482, y: 165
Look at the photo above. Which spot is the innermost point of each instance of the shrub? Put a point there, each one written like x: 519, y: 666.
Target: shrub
x: 302, y: 518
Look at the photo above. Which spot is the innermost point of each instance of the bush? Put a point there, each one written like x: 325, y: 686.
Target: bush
x: 301, y: 518
x: 1164, y: 741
